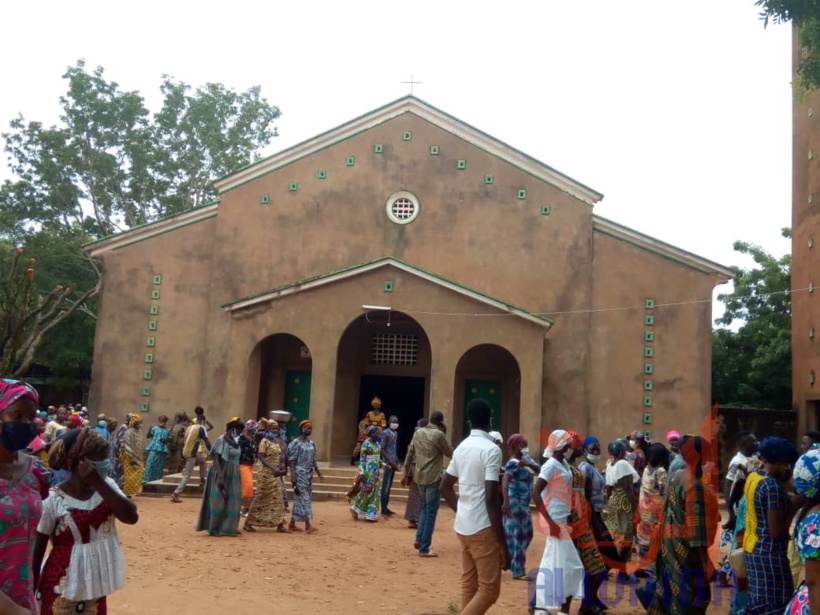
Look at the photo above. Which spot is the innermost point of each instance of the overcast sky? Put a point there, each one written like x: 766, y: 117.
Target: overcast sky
x: 678, y: 112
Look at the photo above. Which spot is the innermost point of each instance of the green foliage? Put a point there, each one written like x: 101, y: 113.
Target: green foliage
x: 805, y: 14
x: 751, y: 366
x: 109, y: 164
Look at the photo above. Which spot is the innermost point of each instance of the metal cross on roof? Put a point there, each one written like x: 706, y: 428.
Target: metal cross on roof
x: 412, y: 83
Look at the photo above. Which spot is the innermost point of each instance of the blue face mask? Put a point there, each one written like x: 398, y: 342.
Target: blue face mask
x: 17, y: 436
x: 103, y: 467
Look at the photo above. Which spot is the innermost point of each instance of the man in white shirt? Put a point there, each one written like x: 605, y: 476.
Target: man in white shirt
x: 476, y: 466
x: 747, y: 446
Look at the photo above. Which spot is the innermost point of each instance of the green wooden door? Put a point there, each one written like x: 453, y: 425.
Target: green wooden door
x: 297, y: 400
x: 489, y: 390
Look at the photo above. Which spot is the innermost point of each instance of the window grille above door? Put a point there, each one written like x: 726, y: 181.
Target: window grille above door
x: 394, y: 349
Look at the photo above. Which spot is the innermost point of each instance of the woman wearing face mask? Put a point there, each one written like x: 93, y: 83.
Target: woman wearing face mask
x: 621, y: 479
x: 268, y: 509
x: 222, y: 500
x: 132, y: 454
x: 302, y: 460
x: 650, y: 504
x: 85, y: 564
x: 639, y: 446
x: 23, y: 486
x: 766, y: 538
x: 517, y: 490
x: 367, y: 501
x: 157, y: 450
x: 594, y: 493
x: 247, y: 460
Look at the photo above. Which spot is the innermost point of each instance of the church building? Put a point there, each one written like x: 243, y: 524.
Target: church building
x: 410, y: 256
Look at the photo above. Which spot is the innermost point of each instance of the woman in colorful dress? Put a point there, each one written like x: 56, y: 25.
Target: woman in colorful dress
x: 173, y: 462
x: 302, y: 461
x: 247, y: 460
x: 222, y: 499
x: 516, y: 487
x: 118, y: 438
x: 368, y: 501
x: 639, y: 445
x: 132, y: 454
x: 766, y: 539
x: 650, y: 502
x: 85, y: 563
x: 23, y: 486
x: 621, y: 503
x: 807, y: 533
x: 594, y: 494
x: 268, y: 507
x: 159, y: 436
x: 560, y: 576
x: 691, y: 518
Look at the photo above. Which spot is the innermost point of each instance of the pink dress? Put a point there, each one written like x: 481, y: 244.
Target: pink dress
x: 21, y: 503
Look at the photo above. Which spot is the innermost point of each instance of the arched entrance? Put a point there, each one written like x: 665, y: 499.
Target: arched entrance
x: 490, y: 372
x: 384, y: 354
x: 283, y: 366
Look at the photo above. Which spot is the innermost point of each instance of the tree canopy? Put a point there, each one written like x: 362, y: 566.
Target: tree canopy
x: 805, y: 15
x: 751, y: 366
x: 110, y: 164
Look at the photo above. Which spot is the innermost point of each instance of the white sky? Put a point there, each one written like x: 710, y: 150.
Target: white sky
x: 678, y: 112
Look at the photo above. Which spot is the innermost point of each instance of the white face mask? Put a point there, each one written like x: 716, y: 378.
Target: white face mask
x: 593, y: 458
x: 633, y: 444
x: 525, y: 451
x: 394, y: 426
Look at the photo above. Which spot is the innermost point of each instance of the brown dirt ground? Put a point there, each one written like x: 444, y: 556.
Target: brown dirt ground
x: 347, y: 567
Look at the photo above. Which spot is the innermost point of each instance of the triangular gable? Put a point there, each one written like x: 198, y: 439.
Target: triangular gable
x: 411, y: 104
x: 336, y: 276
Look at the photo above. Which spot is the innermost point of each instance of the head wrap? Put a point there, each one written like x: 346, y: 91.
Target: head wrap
x: 589, y: 441
x: 617, y: 448
x: 75, y: 418
x: 778, y: 450
x: 235, y: 423
x: 14, y: 390
x: 305, y: 422
x: 807, y: 474
x: 637, y: 435
x: 516, y: 441
x: 574, y: 439
x: 134, y: 419
x: 251, y: 425
x: 180, y: 417
x: 74, y: 445
x: 497, y: 437
x: 672, y: 434
x: 373, y: 431
x: 558, y: 441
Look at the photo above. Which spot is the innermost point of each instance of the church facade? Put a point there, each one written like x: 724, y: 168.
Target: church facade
x: 408, y: 255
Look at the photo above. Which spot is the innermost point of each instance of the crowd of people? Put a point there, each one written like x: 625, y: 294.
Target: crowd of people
x: 647, y: 511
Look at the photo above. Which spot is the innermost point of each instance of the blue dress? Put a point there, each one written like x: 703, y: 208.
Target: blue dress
x: 157, y: 449
x: 302, y: 455
x: 518, y: 521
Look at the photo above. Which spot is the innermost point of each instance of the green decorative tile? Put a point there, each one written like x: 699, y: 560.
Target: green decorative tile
x: 649, y: 304
x: 378, y: 148
x: 157, y: 279
x: 648, y: 434
x: 146, y: 375
x: 811, y: 333
x: 145, y: 406
x: 546, y: 210
x: 649, y: 336
x: 153, y: 310
x: 811, y: 378
x: 649, y: 320
x: 648, y: 385
x: 434, y: 150
x: 649, y: 351
x: 489, y: 179
x: 149, y: 357
x: 810, y: 242
x: 648, y: 368
x: 146, y: 390
x: 407, y: 135
x: 647, y: 401
x: 152, y: 325
x: 522, y: 194
x: 350, y: 161
x: 647, y: 417
x: 293, y: 186
x: 155, y: 293
x: 321, y: 174
x: 388, y: 286
x: 461, y: 164
x: 151, y: 342
x: 264, y: 199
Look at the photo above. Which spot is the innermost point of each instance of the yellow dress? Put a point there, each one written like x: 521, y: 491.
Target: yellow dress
x: 133, y: 449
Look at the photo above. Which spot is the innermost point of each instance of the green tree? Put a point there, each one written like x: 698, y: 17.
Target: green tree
x: 805, y: 15
x: 751, y: 366
x: 108, y: 165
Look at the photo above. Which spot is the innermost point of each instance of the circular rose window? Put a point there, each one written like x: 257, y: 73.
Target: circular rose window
x: 402, y: 207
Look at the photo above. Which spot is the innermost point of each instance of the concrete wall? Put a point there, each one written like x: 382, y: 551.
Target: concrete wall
x: 183, y: 259
x: 624, y: 277
x: 805, y: 258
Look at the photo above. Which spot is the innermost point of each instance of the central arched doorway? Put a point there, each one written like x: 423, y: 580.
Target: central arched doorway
x: 284, y: 368
x: 385, y: 354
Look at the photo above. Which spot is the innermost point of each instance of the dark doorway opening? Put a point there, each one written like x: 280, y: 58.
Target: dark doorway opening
x: 401, y: 396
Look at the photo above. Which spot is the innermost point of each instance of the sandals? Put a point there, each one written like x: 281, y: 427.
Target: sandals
x: 428, y: 554
x: 176, y: 499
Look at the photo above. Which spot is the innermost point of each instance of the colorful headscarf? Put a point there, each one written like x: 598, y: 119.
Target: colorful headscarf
x: 305, y: 422
x: 251, y: 425
x: 637, y: 435
x: 807, y: 473
x: 372, y: 431
x: 617, y: 448
x: 515, y: 441
x: 589, y: 441
x: 14, y: 390
x: 73, y: 445
x: 575, y: 439
x: 670, y: 435
x: 134, y: 420
x: 558, y: 441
